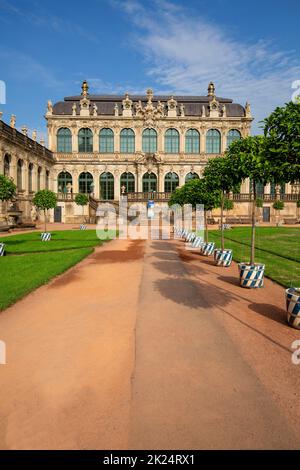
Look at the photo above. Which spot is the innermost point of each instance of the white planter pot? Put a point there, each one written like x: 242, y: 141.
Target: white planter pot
x: 208, y: 249
x: 223, y: 257
x: 251, y: 276
x: 45, y: 237
x: 292, y: 296
x: 83, y: 227
x: 2, y: 249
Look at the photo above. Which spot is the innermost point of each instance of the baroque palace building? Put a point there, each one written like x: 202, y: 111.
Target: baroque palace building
x: 141, y: 146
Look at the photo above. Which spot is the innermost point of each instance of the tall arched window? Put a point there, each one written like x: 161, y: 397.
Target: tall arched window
x: 171, y: 182
x: 106, y: 144
x: 85, y: 140
x: 127, y: 137
x: 172, y: 141
x: 149, y: 141
x: 30, y: 175
x: 6, y: 168
x: 191, y: 176
x: 47, y: 177
x: 107, y: 186
x: 128, y: 180
x: 232, y: 136
x: 64, y: 181
x: 149, y: 182
x: 64, y: 140
x: 86, y: 183
x: 39, y: 173
x: 20, y: 175
x: 213, y: 141
x: 192, y: 141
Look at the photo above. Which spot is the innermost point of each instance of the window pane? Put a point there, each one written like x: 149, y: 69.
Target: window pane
x: 106, y: 141
x: 172, y: 141
x: 171, y: 182
x: 64, y: 140
x: 192, y: 141
x: 213, y: 141
x: 127, y: 141
x: 149, y: 141
x: 85, y: 140
x: 128, y: 180
x: 233, y: 135
x: 107, y: 186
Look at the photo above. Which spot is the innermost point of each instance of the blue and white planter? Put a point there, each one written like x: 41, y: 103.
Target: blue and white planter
x: 197, y: 242
x: 2, y: 249
x: 251, y: 276
x: 292, y: 296
x: 223, y: 257
x: 208, y: 249
x: 83, y: 227
x: 45, y: 237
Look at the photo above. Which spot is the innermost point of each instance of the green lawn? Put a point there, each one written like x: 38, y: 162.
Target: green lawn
x: 278, y: 248
x: 30, y: 263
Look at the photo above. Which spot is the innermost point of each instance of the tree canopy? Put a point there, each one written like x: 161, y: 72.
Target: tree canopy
x: 81, y: 199
x: 196, y: 192
x: 45, y: 199
x: 7, y: 188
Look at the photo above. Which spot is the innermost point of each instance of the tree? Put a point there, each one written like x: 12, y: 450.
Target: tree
x: 82, y: 200
x: 45, y: 200
x: 247, y: 159
x: 282, y: 129
x: 197, y: 192
x: 219, y: 177
x: 7, y: 188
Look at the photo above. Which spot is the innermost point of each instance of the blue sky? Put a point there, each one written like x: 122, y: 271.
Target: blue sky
x: 47, y: 48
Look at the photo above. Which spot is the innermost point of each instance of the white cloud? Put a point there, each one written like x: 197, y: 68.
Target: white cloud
x: 184, y: 52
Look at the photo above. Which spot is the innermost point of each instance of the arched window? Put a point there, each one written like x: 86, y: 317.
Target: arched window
x: 172, y: 141
x: 128, y: 180
x: 191, y: 176
x: 149, y: 182
x: 20, y: 175
x: 47, y: 176
x: 64, y: 140
x: 232, y: 136
x: 171, y: 182
x: 213, y: 141
x: 85, y: 140
x: 30, y: 174
x: 149, y: 141
x: 6, y: 169
x: 106, y: 144
x: 86, y: 183
x: 39, y: 173
x: 260, y: 189
x: 192, y: 141
x: 127, y: 137
x: 107, y: 186
x: 64, y: 181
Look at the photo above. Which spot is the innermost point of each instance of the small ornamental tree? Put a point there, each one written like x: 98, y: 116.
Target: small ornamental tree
x: 246, y: 158
x: 45, y: 200
x: 197, y: 192
x: 81, y: 200
x: 219, y: 176
x: 278, y: 206
x: 7, y: 188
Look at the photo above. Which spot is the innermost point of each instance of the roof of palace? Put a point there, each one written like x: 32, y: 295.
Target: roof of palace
x: 106, y: 104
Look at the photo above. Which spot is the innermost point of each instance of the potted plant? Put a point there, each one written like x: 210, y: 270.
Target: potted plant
x: 282, y: 130
x: 45, y: 200
x: 219, y: 176
x: 278, y: 206
x: 7, y: 189
x: 292, y: 296
x: 82, y: 200
x: 246, y: 159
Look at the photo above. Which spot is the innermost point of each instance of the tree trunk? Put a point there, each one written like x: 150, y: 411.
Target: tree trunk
x: 222, y: 220
x: 45, y: 222
x: 252, y: 258
x: 206, y: 226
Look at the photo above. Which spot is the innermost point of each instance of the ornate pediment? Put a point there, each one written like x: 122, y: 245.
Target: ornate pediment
x: 149, y: 159
x: 149, y: 113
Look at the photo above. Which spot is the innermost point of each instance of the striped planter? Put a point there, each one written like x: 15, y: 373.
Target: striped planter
x: 292, y: 296
x: 197, y: 242
x: 2, y: 249
x: 45, y: 237
x: 83, y: 227
x: 223, y: 257
x: 208, y: 249
x: 191, y: 237
x: 251, y: 276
